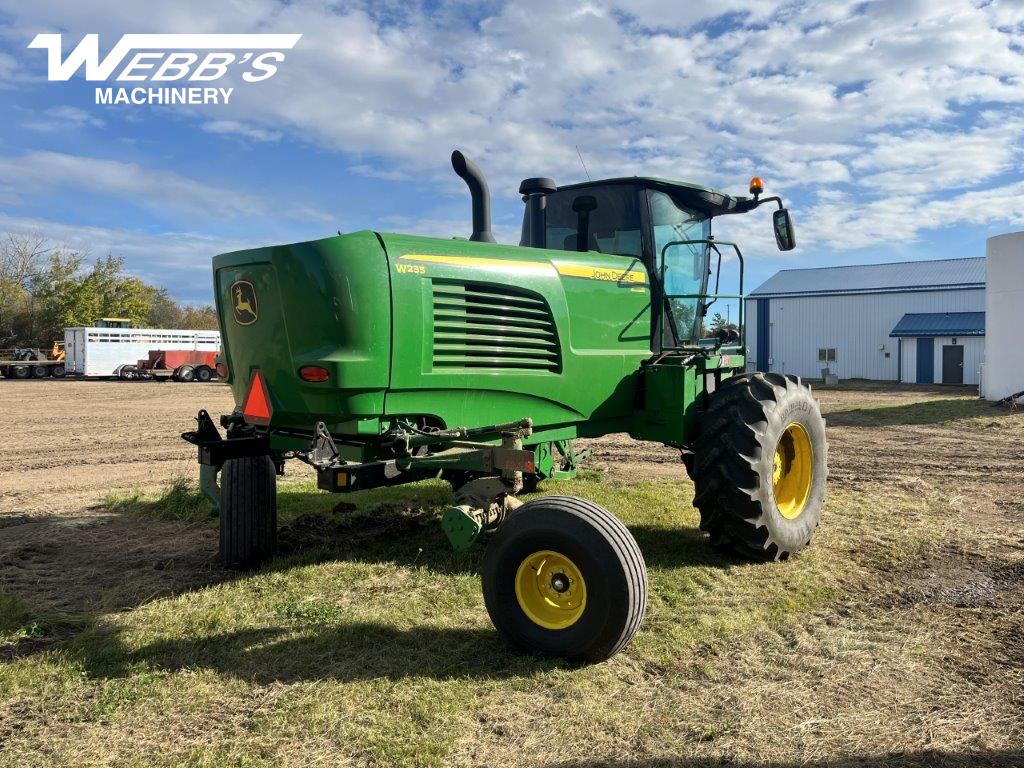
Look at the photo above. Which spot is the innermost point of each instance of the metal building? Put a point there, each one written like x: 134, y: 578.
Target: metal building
x: 1004, y: 369
x: 910, y: 321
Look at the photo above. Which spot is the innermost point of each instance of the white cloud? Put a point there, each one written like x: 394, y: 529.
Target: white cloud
x: 167, y: 194
x: 876, y: 101
x: 900, y: 219
x: 927, y: 161
x: 160, y: 191
x: 64, y: 117
x: 178, y: 259
x: 246, y: 130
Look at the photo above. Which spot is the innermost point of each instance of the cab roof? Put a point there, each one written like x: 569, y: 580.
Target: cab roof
x: 704, y: 199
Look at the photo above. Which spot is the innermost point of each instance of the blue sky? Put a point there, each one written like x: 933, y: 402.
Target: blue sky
x: 893, y: 129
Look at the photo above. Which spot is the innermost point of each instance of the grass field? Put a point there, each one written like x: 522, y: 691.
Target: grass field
x: 895, y: 639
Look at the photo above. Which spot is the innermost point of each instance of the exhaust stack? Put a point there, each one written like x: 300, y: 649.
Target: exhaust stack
x: 474, y: 178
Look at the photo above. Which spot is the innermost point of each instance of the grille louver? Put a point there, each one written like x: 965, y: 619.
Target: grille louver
x: 488, y: 326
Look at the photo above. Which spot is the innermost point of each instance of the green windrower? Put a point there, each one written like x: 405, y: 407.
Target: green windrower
x: 382, y: 359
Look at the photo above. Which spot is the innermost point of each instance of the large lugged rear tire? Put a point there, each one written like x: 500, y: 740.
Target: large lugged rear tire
x: 563, y: 577
x: 248, y: 512
x: 759, y: 466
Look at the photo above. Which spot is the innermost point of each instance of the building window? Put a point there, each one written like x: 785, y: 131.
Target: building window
x: 827, y: 355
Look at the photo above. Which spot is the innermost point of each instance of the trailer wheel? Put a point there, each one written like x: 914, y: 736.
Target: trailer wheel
x: 759, y: 466
x: 563, y: 577
x: 58, y: 371
x: 40, y: 371
x: 248, y: 512
x: 185, y: 373
x: 204, y: 373
x: 20, y: 372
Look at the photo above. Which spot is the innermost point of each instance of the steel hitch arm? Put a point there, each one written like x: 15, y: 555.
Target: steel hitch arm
x: 482, y: 503
x: 214, y: 450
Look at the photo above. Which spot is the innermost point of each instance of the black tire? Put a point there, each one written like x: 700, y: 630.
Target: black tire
x: 602, y: 551
x: 58, y: 371
x: 753, y: 423
x: 204, y: 373
x: 185, y: 373
x: 20, y: 372
x: 40, y: 371
x: 248, y: 512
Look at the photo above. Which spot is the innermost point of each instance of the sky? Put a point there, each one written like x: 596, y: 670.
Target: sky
x: 893, y: 130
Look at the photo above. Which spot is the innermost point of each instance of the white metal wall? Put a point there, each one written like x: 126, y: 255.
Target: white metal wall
x: 974, y: 356
x: 858, y: 326
x: 1004, y: 367
x: 750, y: 324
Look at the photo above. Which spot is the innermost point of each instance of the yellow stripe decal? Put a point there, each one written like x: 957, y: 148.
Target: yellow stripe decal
x: 610, y: 274
x: 605, y: 274
x: 475, y: 261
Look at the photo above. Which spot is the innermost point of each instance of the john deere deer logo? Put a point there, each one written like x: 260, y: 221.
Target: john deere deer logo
x: 243, y: 302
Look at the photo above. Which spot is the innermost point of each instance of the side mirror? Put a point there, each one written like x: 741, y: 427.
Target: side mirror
x: 782, y: 223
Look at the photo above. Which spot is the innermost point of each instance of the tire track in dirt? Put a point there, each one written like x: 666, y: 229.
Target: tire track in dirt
x: 68, y: 443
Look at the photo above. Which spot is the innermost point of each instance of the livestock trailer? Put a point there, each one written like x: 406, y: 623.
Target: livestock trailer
x: 99, y: 351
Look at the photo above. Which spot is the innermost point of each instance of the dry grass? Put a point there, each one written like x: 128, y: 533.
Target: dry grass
x: 895, y: 639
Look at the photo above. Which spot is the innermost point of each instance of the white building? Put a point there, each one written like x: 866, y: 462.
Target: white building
x: 1004, y: 369
x: 911, y: 321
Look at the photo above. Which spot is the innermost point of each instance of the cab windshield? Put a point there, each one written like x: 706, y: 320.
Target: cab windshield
x: 683, y: 266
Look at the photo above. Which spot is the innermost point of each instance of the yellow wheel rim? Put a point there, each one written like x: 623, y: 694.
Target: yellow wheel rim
x: 551, y: 590
x: 793, y: 471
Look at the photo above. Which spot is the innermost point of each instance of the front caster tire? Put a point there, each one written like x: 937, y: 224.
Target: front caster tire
x: 759, y: 466
x: 248, y: 512
x: 563, y: 577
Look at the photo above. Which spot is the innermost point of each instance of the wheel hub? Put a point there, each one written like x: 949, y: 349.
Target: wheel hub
x: 793, y: 471
x: 551, y: 589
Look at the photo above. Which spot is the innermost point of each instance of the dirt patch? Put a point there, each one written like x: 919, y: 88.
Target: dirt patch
x: 101, y: 562
x: 348, y: 524
x: 909, y: 648
x: 963, y: 580
x: 68, y: 442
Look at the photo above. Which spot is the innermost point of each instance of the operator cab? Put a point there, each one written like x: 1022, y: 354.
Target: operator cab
x: 664, y: 225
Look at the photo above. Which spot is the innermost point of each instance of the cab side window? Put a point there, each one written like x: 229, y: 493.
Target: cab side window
x: 604, y: 218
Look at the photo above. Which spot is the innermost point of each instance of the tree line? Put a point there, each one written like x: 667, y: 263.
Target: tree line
x: 46, y: 288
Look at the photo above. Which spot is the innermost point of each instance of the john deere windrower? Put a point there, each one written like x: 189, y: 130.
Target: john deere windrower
x: 382, y: 359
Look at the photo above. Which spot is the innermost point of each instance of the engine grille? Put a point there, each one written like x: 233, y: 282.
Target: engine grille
x: 477, y: 325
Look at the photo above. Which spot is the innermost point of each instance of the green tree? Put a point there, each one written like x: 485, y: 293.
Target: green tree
x: 21, y: 261
x: 719, y: 322
x: 45, y: 289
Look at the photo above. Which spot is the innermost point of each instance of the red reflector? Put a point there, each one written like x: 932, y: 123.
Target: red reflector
x: 314, y: 373
x: 257, y: 408
x: 222, y: 370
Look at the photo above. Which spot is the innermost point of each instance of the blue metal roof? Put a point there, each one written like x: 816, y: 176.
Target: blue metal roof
x: 895, y: 277
x: 940, y: 324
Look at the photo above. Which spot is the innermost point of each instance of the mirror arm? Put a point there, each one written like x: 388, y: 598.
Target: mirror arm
x: 773, y: 199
